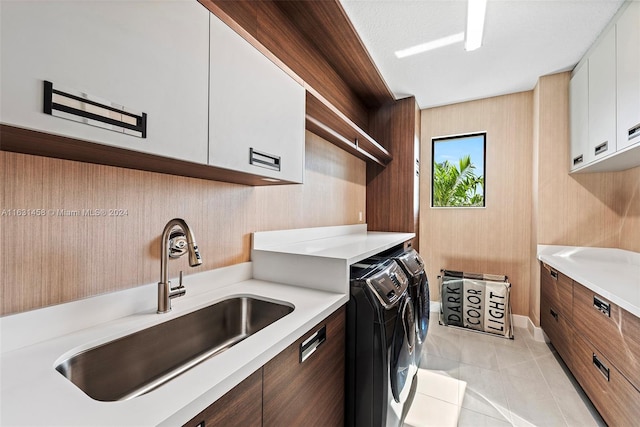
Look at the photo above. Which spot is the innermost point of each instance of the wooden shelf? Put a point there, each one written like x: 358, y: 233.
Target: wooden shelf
x: 26, y: 141
x: 328, y: 122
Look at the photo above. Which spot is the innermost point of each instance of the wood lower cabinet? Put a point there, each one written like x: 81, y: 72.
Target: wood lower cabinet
x: 310, y: 392
x: 615, y: 398
x: 241, y: 406
x: 558, y: 329
x: 557, y: 289
x: 612, y: 330
x: 598, y: 341
x: 301, y: 386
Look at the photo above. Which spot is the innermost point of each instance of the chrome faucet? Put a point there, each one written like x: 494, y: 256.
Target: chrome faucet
x: 165, y: 291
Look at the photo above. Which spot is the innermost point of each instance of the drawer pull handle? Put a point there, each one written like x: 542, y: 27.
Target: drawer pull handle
x: 554, y: 274
x: 88, y: 109
x: 601, y: 306
x: 264, y: 160
x: 577, y: 160
x: 553, y: 313
x: 601, y: 366
x: 634, y: 132
x: 311, y: 344
x: 601, y: 148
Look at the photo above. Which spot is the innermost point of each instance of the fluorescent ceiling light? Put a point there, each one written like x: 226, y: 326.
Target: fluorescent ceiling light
x: 475, y: 23
x: 435, y: 44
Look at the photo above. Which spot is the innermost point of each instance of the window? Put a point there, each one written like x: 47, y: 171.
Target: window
x: 458, y: 171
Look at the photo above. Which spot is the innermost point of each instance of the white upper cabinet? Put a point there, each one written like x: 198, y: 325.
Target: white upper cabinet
x: 602, y: 98
x: 579, y: 107
x: 611, y: 120
x: 256, y: 110
x: 628, y: 76
x: 143, y: 57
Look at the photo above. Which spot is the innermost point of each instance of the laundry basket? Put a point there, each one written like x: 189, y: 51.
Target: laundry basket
x: 479, y: 302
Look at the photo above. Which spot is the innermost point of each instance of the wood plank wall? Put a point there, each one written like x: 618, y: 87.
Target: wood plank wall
x: 393, y: 191
x: 56, y: 258
x: 494, y: 239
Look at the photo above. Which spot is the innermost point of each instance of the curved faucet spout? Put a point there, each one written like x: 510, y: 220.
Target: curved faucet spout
x: 165, y: 291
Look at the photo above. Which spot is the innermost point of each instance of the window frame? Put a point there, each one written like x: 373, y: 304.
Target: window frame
x: 436, y: 139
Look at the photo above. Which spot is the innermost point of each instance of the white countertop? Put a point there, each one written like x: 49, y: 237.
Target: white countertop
x: 318, y: 258
x: 33, y: 393
x: 351, y: 243
x: 612, y: 273
x: 33, y: 343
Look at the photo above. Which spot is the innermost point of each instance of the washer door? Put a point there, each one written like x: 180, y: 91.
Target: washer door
x: 422, y: 307
x: 421, y: 304
x: 402, y: 357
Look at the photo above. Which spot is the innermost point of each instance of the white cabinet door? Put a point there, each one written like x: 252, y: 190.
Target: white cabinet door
x: 256, y: 109
x: 148, y: 56
x: 602, y: 97
x: 579, y: 115
x: 628, y: 76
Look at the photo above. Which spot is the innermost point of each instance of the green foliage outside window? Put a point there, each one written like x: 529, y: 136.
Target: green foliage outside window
x: 457, y: 185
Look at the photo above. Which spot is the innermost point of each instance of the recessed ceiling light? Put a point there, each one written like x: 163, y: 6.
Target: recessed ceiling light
x: 435, y: 44
x: 476, y: 11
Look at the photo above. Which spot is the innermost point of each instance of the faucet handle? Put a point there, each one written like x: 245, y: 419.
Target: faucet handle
x: 178, y: 291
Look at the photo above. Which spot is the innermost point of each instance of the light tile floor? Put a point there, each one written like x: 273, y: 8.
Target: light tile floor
x: 471, y: 379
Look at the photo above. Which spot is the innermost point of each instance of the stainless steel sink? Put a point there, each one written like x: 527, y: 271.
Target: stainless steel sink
x: 138, y: 363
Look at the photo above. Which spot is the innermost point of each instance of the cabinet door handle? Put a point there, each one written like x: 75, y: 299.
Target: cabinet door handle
x: 311, y: 344
x: 601, y: 306
x: 264, y: 160
x: 601, y: 366
x: 602, y: 148
x: 553, y: 313
x: 577, y: 160
x: 554, y: 274
x: 634, y: 132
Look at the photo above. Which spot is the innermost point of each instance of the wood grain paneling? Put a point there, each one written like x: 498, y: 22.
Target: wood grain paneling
x: 341, y: 45
x: 579, y: 209
x: 309, y: 393
x: 325, y: 120
x: 393, y: 191
x: 630, y: 216
x: 241, y: 406
x: 494, y: 239
x: 26, y: 141
x: 65, y: 255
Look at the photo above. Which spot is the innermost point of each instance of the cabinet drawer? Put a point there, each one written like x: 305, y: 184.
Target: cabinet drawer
x: 241, y: 406
x: 612, y: 330
x: 615, y: 398
x: 558, y: 289
x: 558, y: 329
x: 305, y: 387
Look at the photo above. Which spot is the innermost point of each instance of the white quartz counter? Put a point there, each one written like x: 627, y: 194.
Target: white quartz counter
x: 612, y: 273
x: 317, y: 258
x: 33, y: 393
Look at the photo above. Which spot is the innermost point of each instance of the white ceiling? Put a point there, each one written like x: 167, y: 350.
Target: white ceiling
x: 523, y: 39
